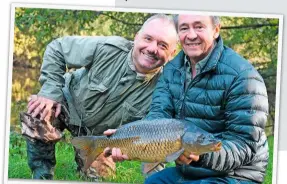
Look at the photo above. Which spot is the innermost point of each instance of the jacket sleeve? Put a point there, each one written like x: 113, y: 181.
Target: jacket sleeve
x: 71, y: 52
x: 246, y: 110
x: 162, y: 104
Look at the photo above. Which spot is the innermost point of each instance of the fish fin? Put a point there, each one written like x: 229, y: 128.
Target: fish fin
x: 88, y: 150
x: 174, y: 156
x: 147, y: 167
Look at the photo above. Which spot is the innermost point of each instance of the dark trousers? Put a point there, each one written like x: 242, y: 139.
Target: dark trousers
x: 173, y: 175
x: 41, y: 159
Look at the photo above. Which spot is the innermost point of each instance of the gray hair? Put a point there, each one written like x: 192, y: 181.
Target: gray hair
x: 215, y: 20
x: 164, y: 17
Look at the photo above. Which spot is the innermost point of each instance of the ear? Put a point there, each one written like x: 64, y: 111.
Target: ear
x: 172, y: 54
x: 216, y: 31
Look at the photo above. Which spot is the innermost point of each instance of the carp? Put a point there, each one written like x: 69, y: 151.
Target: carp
x: 154, y: 141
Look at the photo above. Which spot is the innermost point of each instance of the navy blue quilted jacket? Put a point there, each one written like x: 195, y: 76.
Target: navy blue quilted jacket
x: 229, y: 99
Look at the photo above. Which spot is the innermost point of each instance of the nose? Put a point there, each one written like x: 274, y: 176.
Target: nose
x: 152, y: 47
x: 191, y: 34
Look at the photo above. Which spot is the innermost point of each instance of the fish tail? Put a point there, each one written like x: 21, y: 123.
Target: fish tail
x: 89, y: 151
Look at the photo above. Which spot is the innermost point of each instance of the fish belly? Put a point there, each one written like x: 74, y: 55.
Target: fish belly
x: 149, y: 141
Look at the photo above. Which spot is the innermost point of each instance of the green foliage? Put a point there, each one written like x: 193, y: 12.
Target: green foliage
x: 125, y: 24
x: 257, y: 44
x: 268, y: 177
x: 18, y: 167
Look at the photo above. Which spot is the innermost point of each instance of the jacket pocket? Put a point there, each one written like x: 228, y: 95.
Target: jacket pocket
x: 96, y: 84
x: 95, y: 94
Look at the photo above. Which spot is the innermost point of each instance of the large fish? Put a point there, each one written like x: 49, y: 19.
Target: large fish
x: 154, y: 141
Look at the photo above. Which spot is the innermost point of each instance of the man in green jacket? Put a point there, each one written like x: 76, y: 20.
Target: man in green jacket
x: 112, y: 86
x: 211, y: 86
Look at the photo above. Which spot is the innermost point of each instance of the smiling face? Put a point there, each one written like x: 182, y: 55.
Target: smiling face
x: 197, y: 34
x: 154, y: 45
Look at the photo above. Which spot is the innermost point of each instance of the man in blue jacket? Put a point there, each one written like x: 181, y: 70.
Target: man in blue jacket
x: 211, y: 86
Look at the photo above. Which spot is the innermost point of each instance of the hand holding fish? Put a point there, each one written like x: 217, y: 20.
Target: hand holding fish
x: 115, y: 152
x: 182, y: 159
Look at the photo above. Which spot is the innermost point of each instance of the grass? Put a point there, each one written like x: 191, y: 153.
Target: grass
x: 127, y: 172
x: 268, y: 177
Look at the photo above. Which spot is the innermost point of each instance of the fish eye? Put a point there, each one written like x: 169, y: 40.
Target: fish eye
x: 200, y: 138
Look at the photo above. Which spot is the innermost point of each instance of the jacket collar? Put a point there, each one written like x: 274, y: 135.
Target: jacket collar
x: 215, y: 55
x: 178, y: 61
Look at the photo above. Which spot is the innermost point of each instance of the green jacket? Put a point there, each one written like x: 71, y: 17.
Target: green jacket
x: 104, y: 91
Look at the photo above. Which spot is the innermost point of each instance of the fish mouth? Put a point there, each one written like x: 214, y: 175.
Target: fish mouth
x: 217, y: 146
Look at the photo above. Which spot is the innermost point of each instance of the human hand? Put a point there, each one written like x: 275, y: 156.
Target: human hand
x: 182, y: 159
x: 43, y: 106
x: 116, y: 153
x: 103, y: 167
